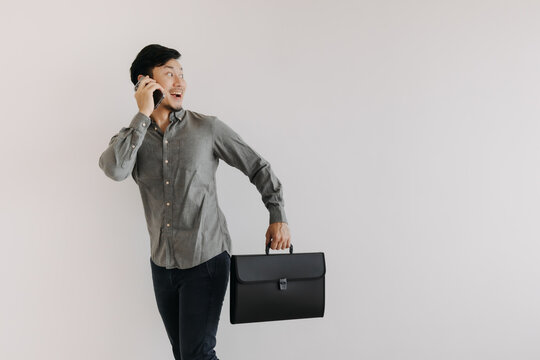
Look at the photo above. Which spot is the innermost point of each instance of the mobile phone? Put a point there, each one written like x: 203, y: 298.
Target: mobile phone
x: 158, y: 95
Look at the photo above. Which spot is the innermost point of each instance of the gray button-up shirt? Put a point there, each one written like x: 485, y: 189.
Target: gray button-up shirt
x: 175, y: 172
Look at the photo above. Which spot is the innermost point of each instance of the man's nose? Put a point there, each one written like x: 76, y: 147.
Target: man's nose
x: 178, y: 80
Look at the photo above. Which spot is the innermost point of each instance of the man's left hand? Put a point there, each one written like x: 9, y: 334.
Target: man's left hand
x: 278, y: 234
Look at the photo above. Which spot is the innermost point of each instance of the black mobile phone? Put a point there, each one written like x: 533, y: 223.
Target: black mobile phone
x: 158, y: 95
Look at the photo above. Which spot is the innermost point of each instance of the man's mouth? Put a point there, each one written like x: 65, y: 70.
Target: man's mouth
x: 177, y: 94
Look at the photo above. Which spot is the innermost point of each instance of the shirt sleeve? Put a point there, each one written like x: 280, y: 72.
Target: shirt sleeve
x: 231, y: 148
x: 118, y: 160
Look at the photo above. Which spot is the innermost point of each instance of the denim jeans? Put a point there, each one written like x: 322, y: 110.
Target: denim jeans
x: 189, y: 302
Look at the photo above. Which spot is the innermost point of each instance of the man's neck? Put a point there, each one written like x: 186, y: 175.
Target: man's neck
x: 161, y: 116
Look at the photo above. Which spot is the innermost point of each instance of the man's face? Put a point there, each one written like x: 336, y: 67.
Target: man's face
x: 171, y: 77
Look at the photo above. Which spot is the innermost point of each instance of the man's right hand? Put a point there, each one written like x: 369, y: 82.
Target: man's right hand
x: 144, y: 94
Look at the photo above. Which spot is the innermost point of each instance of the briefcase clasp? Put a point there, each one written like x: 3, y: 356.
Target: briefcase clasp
x: 283, y: 284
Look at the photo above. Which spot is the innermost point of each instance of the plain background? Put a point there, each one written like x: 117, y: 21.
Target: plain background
x: 405, y: 134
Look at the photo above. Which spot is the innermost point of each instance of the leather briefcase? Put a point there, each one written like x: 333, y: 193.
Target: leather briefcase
x: 276, y: 287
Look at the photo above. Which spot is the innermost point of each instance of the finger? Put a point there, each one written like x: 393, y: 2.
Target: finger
x: 142, y: 86
x: 149, y: 85
x: 153, y: 87
x: 278, y: 241
x: 144, y: 77
x: 287, y: 239
x: 143, y: 81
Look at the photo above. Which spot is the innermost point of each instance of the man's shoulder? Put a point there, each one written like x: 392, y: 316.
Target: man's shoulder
x: 201, y: 117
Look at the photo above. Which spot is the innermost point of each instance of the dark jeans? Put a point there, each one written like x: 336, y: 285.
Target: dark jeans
x: 189, y: 302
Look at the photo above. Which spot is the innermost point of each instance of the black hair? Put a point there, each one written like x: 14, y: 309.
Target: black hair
x: 148, y: 58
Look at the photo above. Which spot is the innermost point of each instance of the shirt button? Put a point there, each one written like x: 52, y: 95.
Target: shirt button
x: 155, y: 128
x: 167, y: 182
x: 133, y: 146
x: 168, y: 204
x: 143, y: 124
x: 166, y: 141
x: 168, y: 225
x: 166, y: 161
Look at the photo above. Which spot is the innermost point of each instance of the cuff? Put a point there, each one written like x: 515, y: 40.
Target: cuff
x: 140, y: 122
x: 277, y: 214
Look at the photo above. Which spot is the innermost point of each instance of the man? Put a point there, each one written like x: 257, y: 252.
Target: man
x: 172, y: 154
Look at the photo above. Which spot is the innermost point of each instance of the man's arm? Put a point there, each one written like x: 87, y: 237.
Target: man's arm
x: 118, y: 160
x: 230, y: 147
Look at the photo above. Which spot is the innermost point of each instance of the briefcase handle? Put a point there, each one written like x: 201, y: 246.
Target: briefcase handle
x: 268, y: 248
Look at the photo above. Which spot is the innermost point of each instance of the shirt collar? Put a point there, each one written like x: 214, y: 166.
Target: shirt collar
x: 174, y: 116
x: 177, y: 115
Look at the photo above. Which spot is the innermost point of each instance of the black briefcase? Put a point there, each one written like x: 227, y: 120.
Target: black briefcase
x: 277, y: 286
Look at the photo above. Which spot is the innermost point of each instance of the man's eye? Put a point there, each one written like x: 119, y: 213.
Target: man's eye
x: 181, y: 75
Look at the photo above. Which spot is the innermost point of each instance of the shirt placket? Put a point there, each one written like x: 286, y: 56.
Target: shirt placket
x: 168, y: 193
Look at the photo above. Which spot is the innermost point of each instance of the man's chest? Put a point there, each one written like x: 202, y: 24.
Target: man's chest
x: 175, y: 150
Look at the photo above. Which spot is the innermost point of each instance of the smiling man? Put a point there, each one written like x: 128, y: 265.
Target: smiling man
x: 172, y: 154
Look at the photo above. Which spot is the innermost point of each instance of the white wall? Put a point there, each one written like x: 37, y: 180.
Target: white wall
x: 405, y: 134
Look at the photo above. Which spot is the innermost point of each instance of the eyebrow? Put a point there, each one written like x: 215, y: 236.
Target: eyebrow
x: 171, y: 67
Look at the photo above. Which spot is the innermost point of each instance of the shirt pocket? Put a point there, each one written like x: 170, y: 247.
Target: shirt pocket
x: 149, y: 168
